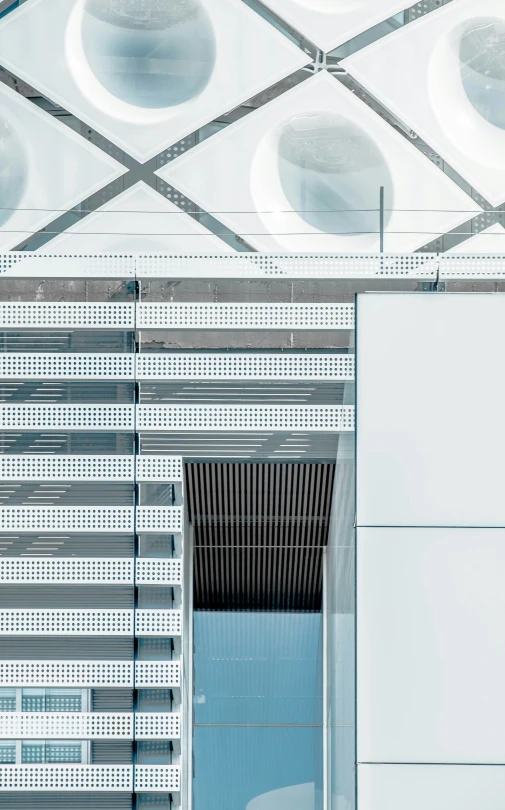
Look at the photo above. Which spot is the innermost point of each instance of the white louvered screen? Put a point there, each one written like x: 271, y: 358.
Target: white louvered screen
x: 66, y: 417
x: 158, y: 778
x: 71, y: 518
x: 471, y: 267
x: 73, y: 366
x: 55, y: 314
x: 245, y: 316
x: 273, y: 265
x: 159, y: 468
x: 85, y: 674
x: 66, y: 725
x: 39, y: 265
x: 16, y: 467
x: 40, y: 777
x: 67, y: 570
x: 66, y: 622
x: 327, y: 418
x: 159, y: 674
x: 153, y: 571
x: 246, y: 366
x: 158, y: 623
x: 153, y: 725
x: 159, y: 518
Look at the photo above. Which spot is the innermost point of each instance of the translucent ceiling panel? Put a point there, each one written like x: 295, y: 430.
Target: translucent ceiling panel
x: 430, y: 405
x: 431, y: 658
x: 329, y: 23
x: 491, y: 240
x: 145, y: 73
x: 138, y: 220
x: 444, y: 76
x: 303, y: 173
x: 437, y: 787
x: 45, y: 167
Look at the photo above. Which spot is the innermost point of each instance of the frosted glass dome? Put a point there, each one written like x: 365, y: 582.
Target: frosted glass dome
x: 149, y: 53
x: 13, y: 170
x: 482, y: 61
x: 331, y: 172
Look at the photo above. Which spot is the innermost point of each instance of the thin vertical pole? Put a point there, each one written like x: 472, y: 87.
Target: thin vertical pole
x: 381, y: 219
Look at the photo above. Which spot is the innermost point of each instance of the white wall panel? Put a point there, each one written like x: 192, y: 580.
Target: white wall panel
x: 157, y: 778
x: 66, y: 725
x: 159, y: 518
x: 157, y: 571
x: 34, y: 144
x: 439, y: 76
x: 157, y: 674
x: 158, y: 622
x: 70, y: 570
x: 29, y: 264
x: 429, y: 440
x: 286, y: 199
x: 159, y: 468
x: 85, y: 674
x: 66, y: 622
x: 26, y: 467
x: 101, y: 70
x: 431, y: 645
x: 437, y: 787
x: 247, y: 366
x: 55, y: 314
x: 66, y: 518
x: 75, y: 366
x: 161, y: 725
x: 244, y: 316
x: 66, y: 417
x: 88, y: 778
x: 328, y: 418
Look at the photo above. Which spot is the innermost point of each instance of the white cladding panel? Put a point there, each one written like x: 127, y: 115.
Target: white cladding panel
x: 158, y: 622
x: 66, y: 777
x: 431, y: 657
x: 67, y: 417
x: 157, y: 725
x: 429, y: 442
x: 157, y: 778
x: 66, y: 622
x: 327, y: 418
x: 67, y: 570
x: 158, y: 674
x: 75, y: 366
x: 65, y: 467
x: 242, y: 365
x: 244, y: 316
x: 159, y: 468
x: 159, y: 518
x: 55, y: 314
x: 66, y: 725
x: 67, y: 518
x: 157, y: 571
x: 437, y: 787
x: 86, y: 674
x: 19, y: 264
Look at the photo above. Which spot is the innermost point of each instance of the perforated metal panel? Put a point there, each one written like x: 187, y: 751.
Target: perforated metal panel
x: 158, y: 623
x: 153, y: 725
x: 85, y: 674
x: 25, y: 467
x: 157, y: 571
x: 66, y: 777
x: 66, y: 725
x: 471, y: 267
x: 55, y: 314
x: 328, y: 418
x: 160, y: 778
x: 66, y: 417
x: 59, y: 518
x: 74, y: 366
x: 34, y: 265
x: 288, y: 266
x: 159, y: 519
x: 159, y: 468
x: 245, y: 316
x: 161, y: 674
x: 247, y: 366
x: 66, y: 622
x: 75, y: 571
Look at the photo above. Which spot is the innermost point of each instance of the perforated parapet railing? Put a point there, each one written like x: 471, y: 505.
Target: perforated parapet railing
x: 159, y: 778
x: 66, y: 518
x: 66, y: 622
x: 66, y: 725
x: 157, y: 674
x: 86, y: 674
x: 25, y: 467
x: 153, y: 725
x: 68, y: 570
x: 39, y: 777
x: 67, y: 417
x: 57, y: 315
x: 159, y: 518
x: 158, y: 623
x: 158, y: 571
x: 73, y: 366
x: 245, y: 366
x: 159, y: 468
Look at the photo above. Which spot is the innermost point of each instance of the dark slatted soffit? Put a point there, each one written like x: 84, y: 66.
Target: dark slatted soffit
x: 259, y: 534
